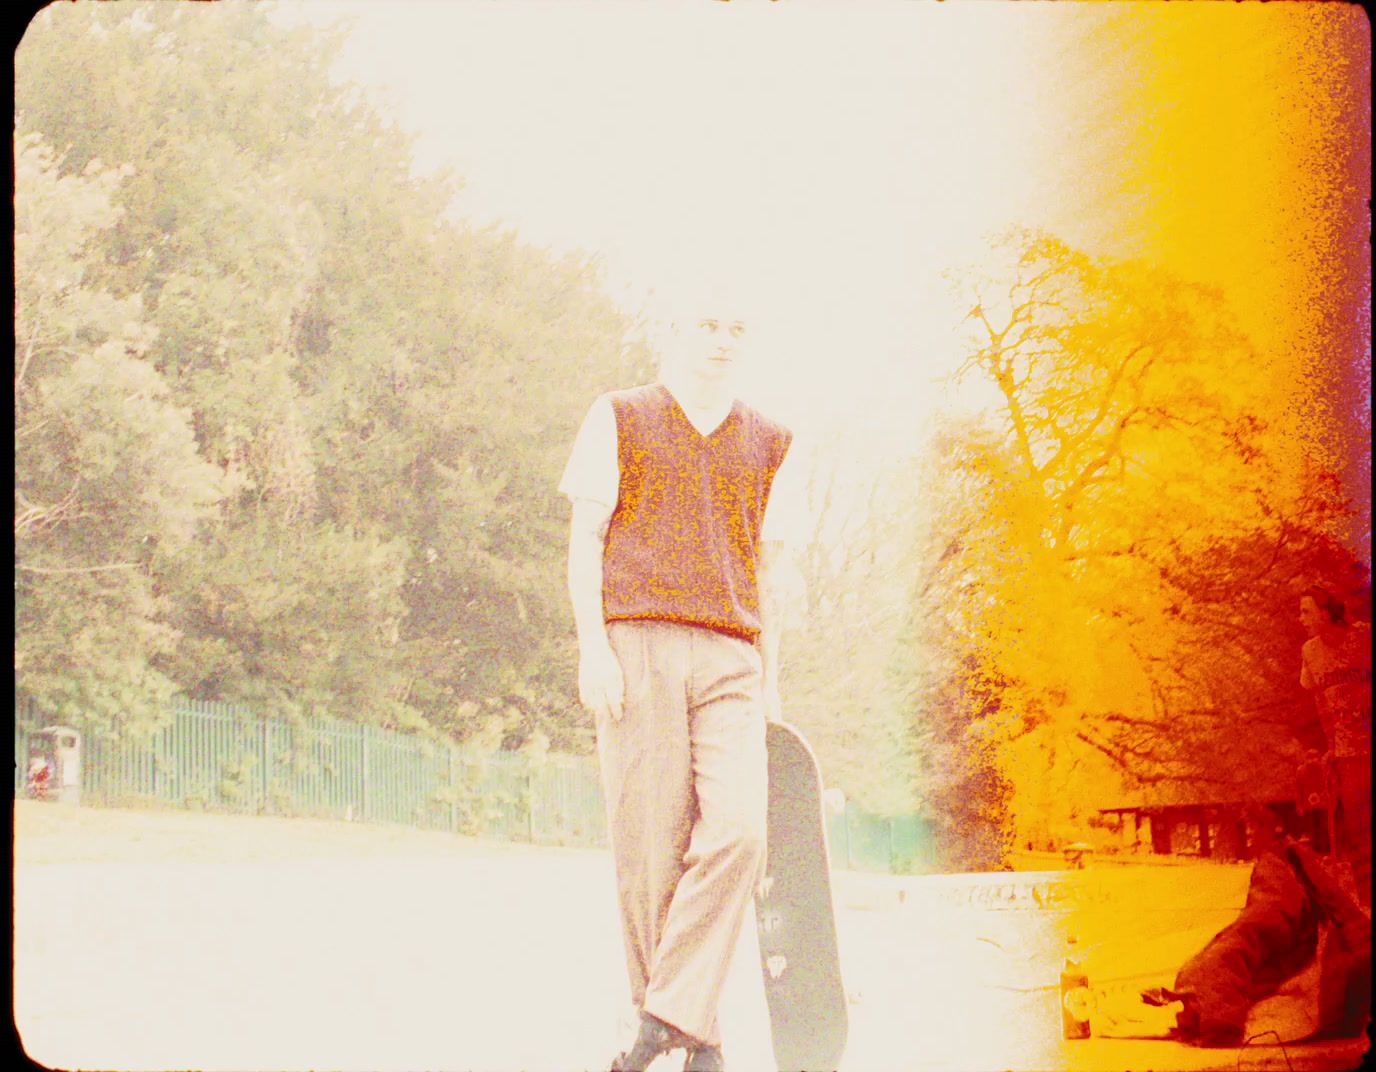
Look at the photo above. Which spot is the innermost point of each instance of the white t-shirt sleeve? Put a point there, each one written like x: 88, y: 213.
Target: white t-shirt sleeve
x: 592, y: 471
x: 785, y: 514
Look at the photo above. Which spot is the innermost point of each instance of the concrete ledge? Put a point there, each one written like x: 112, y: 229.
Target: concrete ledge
x: 1145, y: 887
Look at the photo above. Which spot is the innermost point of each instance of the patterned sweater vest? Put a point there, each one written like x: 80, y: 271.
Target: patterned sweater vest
x: 683, y: 541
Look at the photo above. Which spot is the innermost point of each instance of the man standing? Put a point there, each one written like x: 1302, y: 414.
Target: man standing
x: 673, y: 575
x: 1335, y: 664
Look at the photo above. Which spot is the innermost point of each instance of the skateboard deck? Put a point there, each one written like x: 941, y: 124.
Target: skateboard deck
x: 1314, y: 799
x: 1311, y: 780
x: 795, y: 915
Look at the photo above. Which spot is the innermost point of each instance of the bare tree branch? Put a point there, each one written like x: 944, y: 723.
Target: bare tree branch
x: 36, y: 518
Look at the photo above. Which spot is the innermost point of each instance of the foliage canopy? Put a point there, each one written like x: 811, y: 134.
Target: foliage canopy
x: 286, y: 432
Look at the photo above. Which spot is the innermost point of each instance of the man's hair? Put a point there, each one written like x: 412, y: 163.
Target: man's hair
x: 681, y: 301
x: 1326, y: 601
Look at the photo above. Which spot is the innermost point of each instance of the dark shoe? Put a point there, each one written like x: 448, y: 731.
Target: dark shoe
x: 705, y: 1059
x: 655, y: 1038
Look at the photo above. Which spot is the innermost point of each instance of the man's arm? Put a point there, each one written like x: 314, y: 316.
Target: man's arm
x: 780, y: 583
x: 601, y: 686
x: 777, y: 587
x: 1311, y: 735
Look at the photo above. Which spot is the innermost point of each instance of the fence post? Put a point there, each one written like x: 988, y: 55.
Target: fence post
x: 453, y: 818
x: 264, y: 759
x: 530, y: 802
x: 363, y: 804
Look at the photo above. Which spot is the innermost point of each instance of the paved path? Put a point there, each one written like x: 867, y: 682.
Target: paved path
x: 158, y: 940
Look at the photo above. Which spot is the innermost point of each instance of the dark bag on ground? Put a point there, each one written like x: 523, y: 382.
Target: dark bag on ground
x: 1291, y: 894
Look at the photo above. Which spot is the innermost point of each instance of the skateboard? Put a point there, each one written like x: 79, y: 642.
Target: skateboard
x: 794, y: 912
x: 1314, y: 793
x: 1311, y: 779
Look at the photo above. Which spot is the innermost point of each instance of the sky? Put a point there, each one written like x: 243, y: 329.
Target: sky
x: 835, y: 161
x: 832, y: 164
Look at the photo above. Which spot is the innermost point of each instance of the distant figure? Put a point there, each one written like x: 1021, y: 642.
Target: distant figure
x: 1336, y: 668
x: 675, y: 536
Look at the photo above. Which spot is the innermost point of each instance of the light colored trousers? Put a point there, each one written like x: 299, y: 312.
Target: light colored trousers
x: 686, y: 785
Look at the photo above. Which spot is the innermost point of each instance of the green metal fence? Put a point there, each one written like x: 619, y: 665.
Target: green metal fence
x: 223, y: 757
x: 891, y: 844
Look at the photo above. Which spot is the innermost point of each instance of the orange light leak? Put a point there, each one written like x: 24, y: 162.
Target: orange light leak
x: 1228, y: 145
x: 1266, y: 191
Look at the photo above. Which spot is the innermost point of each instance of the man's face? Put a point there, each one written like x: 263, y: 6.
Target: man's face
x: 1311, y: 615
x: 706, y: 344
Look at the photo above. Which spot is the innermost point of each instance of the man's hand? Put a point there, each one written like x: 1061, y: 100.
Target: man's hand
x: 769, y: 694
x: 601, y: 686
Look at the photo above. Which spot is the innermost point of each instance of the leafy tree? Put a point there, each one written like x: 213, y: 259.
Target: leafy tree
x: 108, y: 482
x: 1119, y: 544
x: 836, y: 677
x: 383, y: 393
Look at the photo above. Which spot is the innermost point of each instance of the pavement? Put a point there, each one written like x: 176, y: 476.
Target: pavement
x: 979, y: 957
x: 158, y: 940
